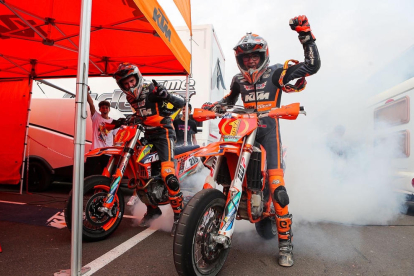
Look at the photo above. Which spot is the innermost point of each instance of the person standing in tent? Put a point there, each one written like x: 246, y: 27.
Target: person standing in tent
x: 101, y: 137
x: 260, y: 87
x: 150, y: 103
x: 179, y: 126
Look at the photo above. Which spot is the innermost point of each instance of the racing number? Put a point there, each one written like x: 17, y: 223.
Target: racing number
x: 235, y: 127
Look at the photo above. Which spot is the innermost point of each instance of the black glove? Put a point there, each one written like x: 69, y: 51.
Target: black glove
x: 301, y: 25
x: 160, y: 91
x: 119, y: 122
x: 208, y: 105
x: 135, y: 119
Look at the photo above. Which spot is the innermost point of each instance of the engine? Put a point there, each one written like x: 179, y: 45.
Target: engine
x: 155, y: 192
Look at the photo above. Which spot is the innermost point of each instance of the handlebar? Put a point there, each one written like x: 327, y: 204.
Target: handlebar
x: 288, y: 112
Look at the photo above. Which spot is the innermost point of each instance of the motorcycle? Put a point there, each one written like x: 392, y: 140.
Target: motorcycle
x: 133, y: 160
x: 238, y: 163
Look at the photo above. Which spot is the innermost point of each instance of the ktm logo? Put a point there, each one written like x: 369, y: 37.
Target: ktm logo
x: 260, y: 96
x: 162, y: 23
x: 12, y: 24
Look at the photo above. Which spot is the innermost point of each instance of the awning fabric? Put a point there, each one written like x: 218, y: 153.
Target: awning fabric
x: 40, y: 38
x: 15, y: 98
x: 184, y: 6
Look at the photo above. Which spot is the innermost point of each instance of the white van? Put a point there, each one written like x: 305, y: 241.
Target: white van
x: 50, y: 142
x: 392, y: 115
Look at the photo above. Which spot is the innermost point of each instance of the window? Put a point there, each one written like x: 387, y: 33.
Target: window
x: 393, y: 113
x: 400, y: 140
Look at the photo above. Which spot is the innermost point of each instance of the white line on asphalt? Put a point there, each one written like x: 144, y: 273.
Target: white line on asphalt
x: 117, y: 251
x: 128, y: 216
x: 12, y: 202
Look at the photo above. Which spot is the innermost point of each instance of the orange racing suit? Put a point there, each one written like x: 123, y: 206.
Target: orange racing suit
x: 155, y: 113
x: 265, y: 94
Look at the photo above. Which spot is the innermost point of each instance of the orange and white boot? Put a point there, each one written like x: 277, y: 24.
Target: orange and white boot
x: 283, y: 218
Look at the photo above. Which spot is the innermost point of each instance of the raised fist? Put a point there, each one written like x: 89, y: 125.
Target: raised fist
x: 301, y: 25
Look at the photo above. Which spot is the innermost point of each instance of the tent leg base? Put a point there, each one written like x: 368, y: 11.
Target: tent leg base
x: 66, y: 272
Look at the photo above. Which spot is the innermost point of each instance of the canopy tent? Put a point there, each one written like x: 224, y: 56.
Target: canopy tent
x: 40, y: 39
x: 44, y: 39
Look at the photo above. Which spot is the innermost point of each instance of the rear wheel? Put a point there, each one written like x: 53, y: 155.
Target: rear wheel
x: 97, y: 225
x: 266, y: 228
x: 195, y: 253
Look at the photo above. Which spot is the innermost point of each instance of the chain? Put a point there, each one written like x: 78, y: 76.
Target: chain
x: 50, y: 148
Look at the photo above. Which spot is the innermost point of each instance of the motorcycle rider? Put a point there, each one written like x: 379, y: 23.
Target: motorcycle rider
x: 260, y: 87
x: 150, y: 103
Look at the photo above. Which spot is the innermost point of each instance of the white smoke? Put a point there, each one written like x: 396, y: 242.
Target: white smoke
x: 189, y: 187
x: 338, y: 171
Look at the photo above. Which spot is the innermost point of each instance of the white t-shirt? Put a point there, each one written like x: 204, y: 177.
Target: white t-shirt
x: 100, y: 136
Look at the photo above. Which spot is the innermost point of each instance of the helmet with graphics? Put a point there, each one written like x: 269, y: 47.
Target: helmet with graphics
x: 124, y: 72
x: 252, y: 56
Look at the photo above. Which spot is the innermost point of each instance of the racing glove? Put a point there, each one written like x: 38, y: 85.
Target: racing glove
x: 160, y: 91
x: 301, y: 25
x: 119, y: 122
x: 208, y: 105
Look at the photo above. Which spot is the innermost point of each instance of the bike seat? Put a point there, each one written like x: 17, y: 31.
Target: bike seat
x: 182, y: 149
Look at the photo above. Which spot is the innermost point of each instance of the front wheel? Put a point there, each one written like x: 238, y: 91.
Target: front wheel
x: 97, y: 225
x: 195, y: 253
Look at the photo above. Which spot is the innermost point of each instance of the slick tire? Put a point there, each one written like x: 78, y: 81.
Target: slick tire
x: 90, y: 188
x: 190, y: 220
x: 266, y: 228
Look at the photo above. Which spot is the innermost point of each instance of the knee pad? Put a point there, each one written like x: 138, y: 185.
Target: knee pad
x: 172, y: 183
x: 281, y: 196
x: 167, y: 168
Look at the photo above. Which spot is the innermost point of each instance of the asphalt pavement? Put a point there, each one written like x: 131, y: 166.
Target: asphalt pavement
x: 34, y: 241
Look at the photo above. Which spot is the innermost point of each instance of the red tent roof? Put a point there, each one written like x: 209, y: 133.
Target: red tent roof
x: 40, y: 38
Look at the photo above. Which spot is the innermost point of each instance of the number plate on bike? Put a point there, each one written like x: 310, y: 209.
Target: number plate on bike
x: 233, y: 129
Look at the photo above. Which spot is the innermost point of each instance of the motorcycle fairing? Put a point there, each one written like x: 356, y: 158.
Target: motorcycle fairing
x: 124, y: 134
x: 234, y: 127
x: 149, y: 158
x: 144, y: 151
x: 186, y: 164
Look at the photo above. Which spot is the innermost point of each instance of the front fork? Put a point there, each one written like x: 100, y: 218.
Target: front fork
x: 117, y: 177
x: 235, y: 192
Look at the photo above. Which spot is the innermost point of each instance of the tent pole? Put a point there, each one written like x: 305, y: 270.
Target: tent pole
x: 25, y: 136
x: 187, y: 97
x: 186, y: 113
x: 80, y: 126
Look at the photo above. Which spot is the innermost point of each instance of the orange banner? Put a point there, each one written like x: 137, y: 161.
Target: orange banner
x: 184, y: 6
x: 158, y: 19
